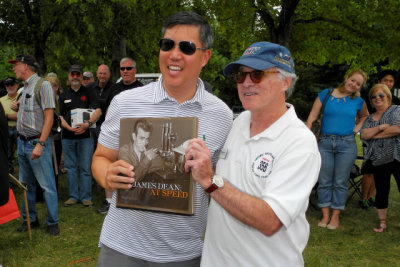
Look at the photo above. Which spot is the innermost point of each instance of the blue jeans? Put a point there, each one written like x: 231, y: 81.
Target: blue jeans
x: 12, y: 143
x: 42, y: 169
x: 338, y: 154
x: 78, y: 153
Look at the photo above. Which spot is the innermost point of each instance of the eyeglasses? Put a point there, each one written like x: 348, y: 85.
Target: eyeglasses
x: 75, y: 73
x: 187, y: 47
x: 126, y: 68
x: 256, y: 75
x: 381, y: 95
x: 9, y: 83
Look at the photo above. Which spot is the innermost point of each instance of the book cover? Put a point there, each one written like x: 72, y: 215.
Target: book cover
x: 156, y: 148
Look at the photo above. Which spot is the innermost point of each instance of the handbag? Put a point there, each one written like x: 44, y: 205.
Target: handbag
x: 317, y: 124
x: 10, y: 210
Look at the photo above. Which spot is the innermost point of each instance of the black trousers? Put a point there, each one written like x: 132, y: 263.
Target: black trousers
x: 382, y: 175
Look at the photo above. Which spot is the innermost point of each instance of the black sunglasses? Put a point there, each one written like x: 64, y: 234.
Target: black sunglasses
x: 381, y: 95
x: 187, y: 47
x: 126, y: 68
x: 9, y: 83
x: 256, y: 75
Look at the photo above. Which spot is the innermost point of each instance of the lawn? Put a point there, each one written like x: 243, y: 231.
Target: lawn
x: 353, y: 244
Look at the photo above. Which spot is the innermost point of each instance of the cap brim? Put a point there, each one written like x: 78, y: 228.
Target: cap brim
x: 254, y: 63
x: 13, y: 61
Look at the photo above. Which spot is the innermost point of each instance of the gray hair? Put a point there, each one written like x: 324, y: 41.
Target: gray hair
x: 283, y: 74
x: 126, y: 59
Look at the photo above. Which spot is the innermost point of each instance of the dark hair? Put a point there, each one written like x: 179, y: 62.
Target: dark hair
x: 144, y: 124
x: 191, y: 18
x: 384, y: 73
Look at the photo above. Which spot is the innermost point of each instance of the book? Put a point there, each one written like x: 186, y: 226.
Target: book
x: 156, y: 148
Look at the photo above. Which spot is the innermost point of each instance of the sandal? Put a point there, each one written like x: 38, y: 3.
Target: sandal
x: 382, y: 227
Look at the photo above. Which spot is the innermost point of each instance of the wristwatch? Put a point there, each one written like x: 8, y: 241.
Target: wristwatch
x: 217, y: 182
x: 43, y: 144
x: 88, y: 122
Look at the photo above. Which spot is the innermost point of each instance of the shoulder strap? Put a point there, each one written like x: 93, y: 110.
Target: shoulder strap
x: 326, y: 99
x: 37, y: 91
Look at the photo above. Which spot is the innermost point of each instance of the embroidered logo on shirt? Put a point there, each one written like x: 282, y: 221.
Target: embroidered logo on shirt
x: 262, y: 165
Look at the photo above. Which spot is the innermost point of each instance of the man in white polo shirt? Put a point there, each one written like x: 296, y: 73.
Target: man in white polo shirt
x: 265, y: 172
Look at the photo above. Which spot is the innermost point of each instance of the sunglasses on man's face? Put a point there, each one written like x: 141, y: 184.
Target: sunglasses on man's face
x: 186, y: 47
x: 381, y: 95
x: 9, y: 83
x: 126, y: 68
x: 256, y: 76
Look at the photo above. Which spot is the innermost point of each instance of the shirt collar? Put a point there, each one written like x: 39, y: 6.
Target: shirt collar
x: 31, y: 79
x: 278, y: 127
x: 161, y: 95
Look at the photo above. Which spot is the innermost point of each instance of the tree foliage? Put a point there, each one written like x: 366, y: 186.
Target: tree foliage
x: 325, y: 37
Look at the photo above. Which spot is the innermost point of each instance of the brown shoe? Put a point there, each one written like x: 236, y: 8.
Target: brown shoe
x: 70, y: 202
x: 87, y: 203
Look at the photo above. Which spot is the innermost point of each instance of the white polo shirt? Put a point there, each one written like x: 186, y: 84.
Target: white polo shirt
x: 280, y: 166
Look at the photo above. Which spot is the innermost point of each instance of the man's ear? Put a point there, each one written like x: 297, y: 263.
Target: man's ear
x: 134, y: 137
x: 206, y: 57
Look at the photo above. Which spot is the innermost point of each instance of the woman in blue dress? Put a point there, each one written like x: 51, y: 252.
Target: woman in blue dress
x: 343, y: 117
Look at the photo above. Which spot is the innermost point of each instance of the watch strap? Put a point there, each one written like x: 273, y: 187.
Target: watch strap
x: 211, y: 188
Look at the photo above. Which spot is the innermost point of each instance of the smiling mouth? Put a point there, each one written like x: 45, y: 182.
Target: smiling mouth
x: 174, y: 68
x: 249, y: 94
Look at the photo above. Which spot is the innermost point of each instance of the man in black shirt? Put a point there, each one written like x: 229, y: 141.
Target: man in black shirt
x: 128, y: 71
x: 77, y: 142
x: 103, y: 89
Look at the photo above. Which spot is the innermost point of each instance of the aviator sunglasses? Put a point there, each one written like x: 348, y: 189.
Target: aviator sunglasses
x: 187, y: 47
x: 381, y: 95
x: 256, y: 75
x: 126, y: 68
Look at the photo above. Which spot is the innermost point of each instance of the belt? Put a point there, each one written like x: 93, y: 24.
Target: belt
x: 12, y: 127
x: 27, y: 138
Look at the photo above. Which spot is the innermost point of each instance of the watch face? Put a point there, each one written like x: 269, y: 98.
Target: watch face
x: 218, y: 180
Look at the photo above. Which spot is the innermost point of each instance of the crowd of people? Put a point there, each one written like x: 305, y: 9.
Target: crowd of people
x: 41, y: 131
x: 253, y: 175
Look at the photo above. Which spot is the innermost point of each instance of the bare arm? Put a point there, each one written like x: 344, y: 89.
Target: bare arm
x: 250, y: 210
x: 387, y: 132
x: 12, y: 117
x: 315, y: 110
x: 47, y: 124
x: 109, y: 172
x: 361, y: 117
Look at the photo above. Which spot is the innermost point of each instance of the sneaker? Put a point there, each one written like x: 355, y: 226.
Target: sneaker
x: 87, y: 203
x: 371, y: 202
x: 53, y: 229
x: 24, y: 226
x: 70, y: 202
x: 104, y: 208
x: 363, y: 204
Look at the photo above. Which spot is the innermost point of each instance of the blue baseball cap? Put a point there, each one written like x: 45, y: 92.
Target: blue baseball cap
x: 261, y: 56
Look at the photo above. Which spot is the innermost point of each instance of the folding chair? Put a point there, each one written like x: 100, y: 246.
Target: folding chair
x: 355, y: 181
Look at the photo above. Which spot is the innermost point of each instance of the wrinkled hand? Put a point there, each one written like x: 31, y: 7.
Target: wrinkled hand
x: 37, y: 152
x: 198, y: 160
x: 15, y: 106
x: 81, y: 128
x: 119, y: 175
x: 383, y: 127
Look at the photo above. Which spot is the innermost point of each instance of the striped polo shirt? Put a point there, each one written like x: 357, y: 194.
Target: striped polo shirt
x: 30, y: 114
x: 156, y: 236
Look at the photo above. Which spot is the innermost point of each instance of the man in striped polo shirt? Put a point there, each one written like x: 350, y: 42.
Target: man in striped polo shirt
x: 132, y: 237
x: 34, y: 122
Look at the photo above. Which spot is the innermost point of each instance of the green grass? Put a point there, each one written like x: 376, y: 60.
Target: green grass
x: 352, y: 244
